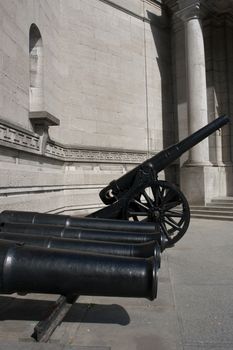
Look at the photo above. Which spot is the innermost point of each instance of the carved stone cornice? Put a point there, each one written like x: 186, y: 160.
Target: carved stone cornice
x: 179, y: 5
x: 189, y: 12
x: 16, y: 137
x: 207, y: 7
x: 76, y: 154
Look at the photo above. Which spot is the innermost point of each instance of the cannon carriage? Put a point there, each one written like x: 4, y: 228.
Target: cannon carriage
x: 139, y: 196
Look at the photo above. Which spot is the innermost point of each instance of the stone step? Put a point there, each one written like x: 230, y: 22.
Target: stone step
x: 212, y: 217
x: 209, y: 207
x: 218, y: 209
x: 226, y: 200
x: 211, y: 212
x: 222, y: 204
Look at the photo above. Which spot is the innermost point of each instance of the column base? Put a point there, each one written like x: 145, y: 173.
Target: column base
x: 197, y: 164
x: 201, y: 183
x: 223, y: 164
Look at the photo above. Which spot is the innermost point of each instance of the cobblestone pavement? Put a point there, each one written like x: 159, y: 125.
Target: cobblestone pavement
x: 194, y: 308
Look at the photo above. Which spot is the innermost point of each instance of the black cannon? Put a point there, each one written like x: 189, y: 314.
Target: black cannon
x: 81, y: 222
x: 138, y: 250
x: 83, y: 233
x: 26, y: 269
x: 140, y: 196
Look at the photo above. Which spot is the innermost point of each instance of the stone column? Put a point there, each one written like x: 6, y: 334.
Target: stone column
x: 195, y: 174
x: 196, y: 79
x: 200, y: 180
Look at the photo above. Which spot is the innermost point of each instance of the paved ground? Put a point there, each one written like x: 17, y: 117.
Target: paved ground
x: 194, y: 308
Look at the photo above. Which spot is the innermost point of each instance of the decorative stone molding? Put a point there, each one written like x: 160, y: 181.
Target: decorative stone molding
x: 185, y: 10
x: 16, y: 137
x: 212, y: 10
x: 67, y: 153
x: 189, y: 12
x: 139, y: 16
x: 185, y: 14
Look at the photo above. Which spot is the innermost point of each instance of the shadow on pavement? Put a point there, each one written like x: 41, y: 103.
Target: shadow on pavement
x: 35, y: 310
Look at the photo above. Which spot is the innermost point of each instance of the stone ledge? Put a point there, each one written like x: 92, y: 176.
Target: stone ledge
x: 43, y: 118
x: 41, y: 121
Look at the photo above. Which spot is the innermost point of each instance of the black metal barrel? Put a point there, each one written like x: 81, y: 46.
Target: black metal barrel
x: 70, y: 221
x: 84, y: 234
x: 140, y: 250
x: 26, y: 269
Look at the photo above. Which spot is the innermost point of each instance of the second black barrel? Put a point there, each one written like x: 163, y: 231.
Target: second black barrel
x: 140, y: 250
x: 71, y: 221
x: 84, y: 234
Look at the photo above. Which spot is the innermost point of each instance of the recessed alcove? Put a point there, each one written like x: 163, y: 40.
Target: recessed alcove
x: 36, y: 69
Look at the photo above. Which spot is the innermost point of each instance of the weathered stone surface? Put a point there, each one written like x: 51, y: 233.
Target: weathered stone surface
x: 99, y: 73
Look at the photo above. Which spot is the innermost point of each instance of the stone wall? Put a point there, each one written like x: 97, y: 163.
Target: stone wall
x: 107, y: 78
x: 16, y: 19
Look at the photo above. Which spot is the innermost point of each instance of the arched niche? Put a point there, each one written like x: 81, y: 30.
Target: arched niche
x: 36, y: 66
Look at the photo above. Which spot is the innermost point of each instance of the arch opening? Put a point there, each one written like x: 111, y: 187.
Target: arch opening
x: 36, y: 66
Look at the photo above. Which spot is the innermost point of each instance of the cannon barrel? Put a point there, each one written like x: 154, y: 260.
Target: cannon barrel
x: 70, y: 221
x: 84, y: 234
x: 161, y: 160
x: 26, y: 269
x: 139, y: 250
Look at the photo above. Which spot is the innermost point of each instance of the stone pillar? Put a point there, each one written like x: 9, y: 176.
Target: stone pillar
x: 200, y: 180
x: 194, y: 173
x: 196, y: 80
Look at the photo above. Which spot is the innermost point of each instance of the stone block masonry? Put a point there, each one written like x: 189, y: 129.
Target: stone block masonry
x: 95, y: 62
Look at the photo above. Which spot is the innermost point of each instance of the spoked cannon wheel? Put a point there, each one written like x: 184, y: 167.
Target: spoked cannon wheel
x: 162, y: 203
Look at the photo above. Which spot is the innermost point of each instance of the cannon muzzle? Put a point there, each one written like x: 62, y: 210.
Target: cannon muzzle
x: 26, y: 269
x: 84, y: 234
x: 70, y: 221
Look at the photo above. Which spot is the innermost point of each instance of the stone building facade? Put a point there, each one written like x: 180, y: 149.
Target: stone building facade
x: 202, y: 43
x: 89, y: 89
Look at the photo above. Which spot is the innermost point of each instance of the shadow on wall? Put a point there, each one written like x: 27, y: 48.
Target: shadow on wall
x: 219, y: 52
x: 30, y: 310
x: 162, y: 39
x: 36, y: 58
